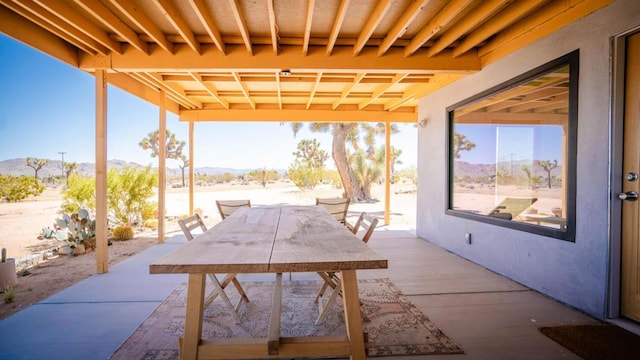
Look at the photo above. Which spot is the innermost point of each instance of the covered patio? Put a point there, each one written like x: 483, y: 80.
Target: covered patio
x: 487, y: 315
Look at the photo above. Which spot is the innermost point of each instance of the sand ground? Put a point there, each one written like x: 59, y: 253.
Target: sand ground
x: 22, y: 222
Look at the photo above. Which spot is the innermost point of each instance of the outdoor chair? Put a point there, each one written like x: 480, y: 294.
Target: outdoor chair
x: 337, y: 207
x: 332, y: 280
x: 227, y: 207
x: 188, y: 225
x: 510, y: 208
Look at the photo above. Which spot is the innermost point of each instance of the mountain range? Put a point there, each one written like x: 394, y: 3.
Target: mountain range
x: 18, y: 167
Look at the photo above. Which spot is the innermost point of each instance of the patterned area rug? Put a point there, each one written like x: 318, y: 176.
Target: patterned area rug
x: 397, y: 326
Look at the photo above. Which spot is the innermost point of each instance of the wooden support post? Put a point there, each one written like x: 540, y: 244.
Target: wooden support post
x: 191, y: 167
x: 387, y: 166
x: 102, y: 252
x: 162, y: 165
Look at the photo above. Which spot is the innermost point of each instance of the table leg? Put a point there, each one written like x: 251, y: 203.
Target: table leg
x: 351, y: 301
x: 193, y: 319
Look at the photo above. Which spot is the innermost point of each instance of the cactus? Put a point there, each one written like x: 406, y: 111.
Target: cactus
x: 4, y: 255
x: 123, y: 233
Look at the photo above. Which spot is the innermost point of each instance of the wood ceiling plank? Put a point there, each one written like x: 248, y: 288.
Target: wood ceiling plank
x: 370, y: 26
x: 478, y: 16
x: 337, y: 25
x: 400, y: 27
x: 307, y: 26
x: 80, y: 23
x: 348, y: 89
x: 109, y: 19
x: 142, y: 20
x: 205, y: 17
x: 440, y: 21
x: 179, y: 23
x: 242, y: 25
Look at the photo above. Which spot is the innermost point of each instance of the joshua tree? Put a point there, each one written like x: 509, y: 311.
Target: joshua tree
x: 343, y: 133
x: 461, y: 143
x: 36, y: 164
x: 173, y: 146
x: 548, y: 166
x: 185, y: 164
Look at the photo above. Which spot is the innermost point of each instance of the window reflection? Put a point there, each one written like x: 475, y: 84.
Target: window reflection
x: 509, y: 152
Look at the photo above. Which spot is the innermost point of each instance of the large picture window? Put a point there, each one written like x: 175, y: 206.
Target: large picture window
x: 512, y: 152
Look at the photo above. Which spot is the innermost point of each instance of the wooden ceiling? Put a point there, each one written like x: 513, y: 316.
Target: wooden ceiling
x: 285, y: 60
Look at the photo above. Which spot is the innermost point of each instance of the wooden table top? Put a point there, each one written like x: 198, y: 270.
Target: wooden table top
x: 272, y: 239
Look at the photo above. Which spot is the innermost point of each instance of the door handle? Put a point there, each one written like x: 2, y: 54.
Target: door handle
x: 629, y: 195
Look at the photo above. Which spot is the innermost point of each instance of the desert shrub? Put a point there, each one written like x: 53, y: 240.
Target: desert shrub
x: 80, y: 193
x: 151, y: 223
x: 122, y: 232
x: 127, y: 192
x: 17, y: 188
x: 333, y: 177
x: 9, y: 294
x: 307, y: 170
x: 304, y: 176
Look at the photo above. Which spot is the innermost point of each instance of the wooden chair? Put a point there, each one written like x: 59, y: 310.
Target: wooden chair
x: 337, y: 207
x: 511, y: 207
x: 227, y: 207
x: 188, y: 225
x: 331, y: 279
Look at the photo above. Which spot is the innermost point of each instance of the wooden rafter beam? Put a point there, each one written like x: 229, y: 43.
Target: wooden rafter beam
x: 174, y: 17
x: 433, y: 27
x: 370, y: 26
x: 242, y: 25
x: 400, y: 27
x: 479, y: 15
x: 142, y: 20
x: 172, y: 90
x: 279, y: 87
x: 307, y: 26
x: 273, y: 26
x: 109, y: 19
x: 337, y: 25
x: 342, y: 61
x: 244, y: 89
x: 298, y: 115
x: 203, y: 14
x: 377, y: 93
x: 44, y: 18
x: 210, y: 89
x: 35, y: 36
x: 348, y: 89
x: 505, y: 18
x: 511, y: 118
x: 66, y: 13
x: 314, y: 89
x: 545, y: 21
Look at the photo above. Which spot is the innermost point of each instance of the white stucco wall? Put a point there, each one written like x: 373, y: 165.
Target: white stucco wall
x: 574, y: 273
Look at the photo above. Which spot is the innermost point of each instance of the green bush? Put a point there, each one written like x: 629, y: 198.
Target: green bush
x: 127, y: 192
x: 17, y: 188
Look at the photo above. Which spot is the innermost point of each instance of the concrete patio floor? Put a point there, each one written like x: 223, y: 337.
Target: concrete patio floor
x: 489, y: 316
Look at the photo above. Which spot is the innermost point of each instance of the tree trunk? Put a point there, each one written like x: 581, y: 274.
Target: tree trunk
x: 339, y: 154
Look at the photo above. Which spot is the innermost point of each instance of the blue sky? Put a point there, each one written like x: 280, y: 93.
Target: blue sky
x: 47, y: 107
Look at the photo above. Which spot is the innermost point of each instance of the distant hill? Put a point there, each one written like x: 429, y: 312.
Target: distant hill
x: 18, y: 167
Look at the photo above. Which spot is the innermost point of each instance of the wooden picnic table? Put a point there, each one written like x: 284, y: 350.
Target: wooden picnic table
x: 272, y: 239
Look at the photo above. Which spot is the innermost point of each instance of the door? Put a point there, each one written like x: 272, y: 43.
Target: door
x: 630, y: 276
